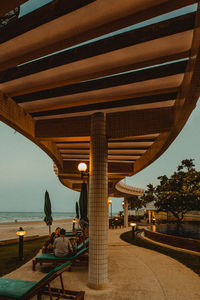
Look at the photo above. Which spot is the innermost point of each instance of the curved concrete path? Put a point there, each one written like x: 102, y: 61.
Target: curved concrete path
x: 134, y: 273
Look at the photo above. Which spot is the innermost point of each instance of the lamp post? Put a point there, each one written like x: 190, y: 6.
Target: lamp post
x: 110, y: 202
x: 21, y: 233
x: 133, y: 225
x: 83, y: 199
x: 82, y: 167
x: 73, y: 224
x: 153, y: 228
x: 124, y: 213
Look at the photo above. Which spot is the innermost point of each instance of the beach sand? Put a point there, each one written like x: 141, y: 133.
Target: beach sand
x: 8, y: 230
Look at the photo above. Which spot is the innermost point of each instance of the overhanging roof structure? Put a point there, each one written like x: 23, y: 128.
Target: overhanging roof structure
x: 135, y: 60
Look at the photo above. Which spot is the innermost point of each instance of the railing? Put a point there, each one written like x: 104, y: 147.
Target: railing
x: 128, y: 189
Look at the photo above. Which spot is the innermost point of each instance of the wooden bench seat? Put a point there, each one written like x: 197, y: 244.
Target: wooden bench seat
x: 11, y: 289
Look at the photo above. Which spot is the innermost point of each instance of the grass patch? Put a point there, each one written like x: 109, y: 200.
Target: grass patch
x: 189, y: 260
x: 9, y: 255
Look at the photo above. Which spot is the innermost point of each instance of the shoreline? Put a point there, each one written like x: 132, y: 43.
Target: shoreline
x: 34, y: 221
x: 8, y: 230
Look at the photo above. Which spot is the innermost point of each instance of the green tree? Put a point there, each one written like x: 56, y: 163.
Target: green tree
x: 134, y: 202
x: 178, y: 193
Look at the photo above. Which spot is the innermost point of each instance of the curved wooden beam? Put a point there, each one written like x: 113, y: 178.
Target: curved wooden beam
x: 188, y: 95
x: 95, y: 19
x: 123, y: 124
x: 108, y: 82
x: 123, y: 40
x: 122, y: 60
x: 7, y: 5
x: 105, y: 106
x: 14, y: 116
x: 40, y: 16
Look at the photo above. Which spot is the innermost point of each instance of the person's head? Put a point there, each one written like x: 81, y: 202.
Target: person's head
x: 62, y: 232
x: 58, y: 230
x: 52, y: 237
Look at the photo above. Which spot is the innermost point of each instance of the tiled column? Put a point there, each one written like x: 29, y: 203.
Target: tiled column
x: 98, y: 206
x: 126, y: 212
x: 108, y: 211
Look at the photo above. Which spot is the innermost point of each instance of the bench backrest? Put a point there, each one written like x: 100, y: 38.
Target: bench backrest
x: 81, y: 245
x: 48, y: 278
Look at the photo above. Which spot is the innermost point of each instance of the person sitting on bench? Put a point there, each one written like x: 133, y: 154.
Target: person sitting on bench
x: 62, y: 246
x: 48, y: 246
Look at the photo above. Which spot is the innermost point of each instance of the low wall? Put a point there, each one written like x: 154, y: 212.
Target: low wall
x: 190, y: 216
x: 172, y: 240
x: 26, y: 238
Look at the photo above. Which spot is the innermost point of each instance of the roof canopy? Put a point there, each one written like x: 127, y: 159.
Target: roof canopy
x: 135, y: 60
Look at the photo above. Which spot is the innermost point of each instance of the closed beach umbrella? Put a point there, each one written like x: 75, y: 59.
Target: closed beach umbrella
x: 77, y: 210
x: 47, y: 210
x: 83, y: 203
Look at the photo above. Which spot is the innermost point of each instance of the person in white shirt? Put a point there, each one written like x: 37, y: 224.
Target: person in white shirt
x: 62, y: 246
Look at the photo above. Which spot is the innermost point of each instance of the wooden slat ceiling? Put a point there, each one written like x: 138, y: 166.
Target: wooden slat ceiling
x: 144, y: 77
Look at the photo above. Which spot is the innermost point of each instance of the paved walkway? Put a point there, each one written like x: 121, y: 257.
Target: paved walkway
x: 134, y: 274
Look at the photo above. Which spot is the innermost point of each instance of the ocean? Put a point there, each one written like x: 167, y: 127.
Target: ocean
x: 32, y: 216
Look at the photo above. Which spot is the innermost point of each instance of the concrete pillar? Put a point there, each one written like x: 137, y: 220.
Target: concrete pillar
x: 153, y: 218
x: 108, y: 212
x: 98, y: 206
x: 149, y: 212
x: 108, y: 206
x: 126, y: 212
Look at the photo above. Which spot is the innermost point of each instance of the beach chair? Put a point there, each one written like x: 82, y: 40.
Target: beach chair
x: 82, y: 245
x: 12, y: 289
x: 72, y: 233
x: 51, y: 258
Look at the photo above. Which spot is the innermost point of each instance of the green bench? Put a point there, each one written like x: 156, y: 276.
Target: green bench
x: 73, y: 233
x: 11, y: 289
x: 82, y: 245
x: 51, y: 258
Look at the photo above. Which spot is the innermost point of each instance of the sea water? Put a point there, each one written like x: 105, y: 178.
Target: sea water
x: 32, y: 216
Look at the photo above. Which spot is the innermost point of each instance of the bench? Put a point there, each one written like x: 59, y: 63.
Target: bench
x: 51, y: 258
x: 12, y: 289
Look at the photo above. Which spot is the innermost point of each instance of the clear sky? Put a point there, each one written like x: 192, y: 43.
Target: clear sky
x: 26, y: 171
x: 186, y: 145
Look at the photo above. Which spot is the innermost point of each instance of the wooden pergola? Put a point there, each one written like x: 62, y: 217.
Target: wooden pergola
x: 134, y: 61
